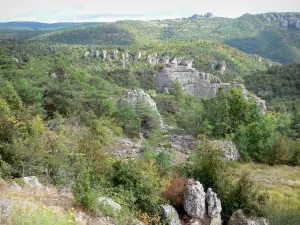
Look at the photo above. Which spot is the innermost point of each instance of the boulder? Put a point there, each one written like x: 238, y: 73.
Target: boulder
x: 114, y: 53
x: 133, y: 97
x: 87, y: 54
x: 229, y: 149
x: 97, y: 53
x: 170, y: 214
x: 33, y: 182
x: 208, y: 15
x: 284, y: 24
x: 104, y: 54
x: 214, y: 207
x: 239, y: 218
x: 109, y: 202
x: 194, y: 199
x: 138, y: 55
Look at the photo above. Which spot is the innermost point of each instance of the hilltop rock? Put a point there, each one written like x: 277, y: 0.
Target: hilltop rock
x: 192, y: 81
x: 239, y: 218
x: 114, y: 53
x: 170, y: 213
x: 133, y: 97
x: 294, y: 23
x: 109, y: 202
x: 208, y: 15
x: 104, y: 54
x: 194, y: 199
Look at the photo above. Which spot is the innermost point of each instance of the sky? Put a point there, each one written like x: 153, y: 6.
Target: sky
x: 51, y: 11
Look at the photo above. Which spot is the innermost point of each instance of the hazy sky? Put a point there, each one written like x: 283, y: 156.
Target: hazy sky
x: 112, y: 10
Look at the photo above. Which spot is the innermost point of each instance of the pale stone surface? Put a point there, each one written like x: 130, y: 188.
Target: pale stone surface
x: 239, y: 218
x: 133, y: 97
x: 108, y: 201
x: 170, y: 213
x: 194, y: 199
x: 33, y: 182
x: 214, y: 207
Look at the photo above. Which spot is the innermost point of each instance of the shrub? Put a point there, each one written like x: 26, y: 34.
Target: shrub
x: 175, y: 191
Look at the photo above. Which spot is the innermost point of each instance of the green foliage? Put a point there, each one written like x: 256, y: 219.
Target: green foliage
x: 256, y: 138
x: 212, y: 170
x: 129, y: 120
x: 141, y: 179
x: 227, y: 112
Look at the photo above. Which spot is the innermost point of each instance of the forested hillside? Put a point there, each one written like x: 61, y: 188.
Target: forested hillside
x: 158, y: 122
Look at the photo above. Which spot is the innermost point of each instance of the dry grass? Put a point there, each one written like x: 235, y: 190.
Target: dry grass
x: 281, y: 182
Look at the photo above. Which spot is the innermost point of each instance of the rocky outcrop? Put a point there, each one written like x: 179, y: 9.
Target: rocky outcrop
x: 170, y: 215
x: 239, y: 218
x: 230, y: 152
x: 192, y: 81
x: 203, y: 208
x: 198, y: 16
x: 183, y: 143
x: 32, y: 182
x: 109, y: 202
x: 294, y: 23
x: 134, y: 97
x: 288, y: 20
x: 214, y: 207
x: 194, y: 199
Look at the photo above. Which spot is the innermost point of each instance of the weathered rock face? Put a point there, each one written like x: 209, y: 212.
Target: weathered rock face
x: 285, y: 20
x: 32, y: 182
x: 194, y: 199
x: 229, y: 149
x: 133, y: 97
x: 170, y: 213
x: 214, y: 207
x: 192, y: 81
x: 109, y: 202
x: 219, y: 66
x: 183, y: 143
x: 239, y: 218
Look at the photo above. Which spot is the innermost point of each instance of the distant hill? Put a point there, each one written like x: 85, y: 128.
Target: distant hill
x: 21, y: 26
x: 272, y: 35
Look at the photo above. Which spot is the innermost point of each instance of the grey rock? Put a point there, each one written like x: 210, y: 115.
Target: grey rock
x: 15, y: 186
x: 284, y: 23
x: 87, y: 54
x: 97, y: 54
x: 214, y: 207
x: 16, y: 60
x: 32, y: 182
x: 138, y: 55
x: 196, y: 16
x: 109, y: 202
x: 294, y: 23
x: 194, y: 199
x: 166, y: 90
x: 183, y: 143
x: 170, y: 213
x: 123, y: 63
x: 239, y: 218
x: 228, y: 148
x: 133, y: 97
x: 114, y: 53
x: 108, y: 59
x: 104, y: 54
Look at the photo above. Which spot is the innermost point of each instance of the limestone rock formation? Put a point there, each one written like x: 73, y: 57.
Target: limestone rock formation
x: 32, y: 182
x: 114, y: 53
x: 214, y: 207
x: 239, y: 218
x: 109, y: 202
x: 133, y: 97
x: 138, y: 55
x: 183, y: 143
x: 228, y: 148
x: 104, y: 54
x: 194, y: 199
x: 170, y: 213
x: 192, y: 81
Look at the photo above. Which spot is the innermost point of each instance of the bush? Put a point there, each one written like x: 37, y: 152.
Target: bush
x: 175, y: 191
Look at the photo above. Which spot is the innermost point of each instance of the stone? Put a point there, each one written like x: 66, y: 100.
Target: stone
x: 193, y: 82
x: 114, y: 53
x: 229, y: 149
x: 214, y: 207
x: 194, y: 199
x: 170, y: 214
x: 122, y: 63
x: 239, y: 218
x: 183, y: 143
x: 108, y: 59
x: 133, y: 97
x: 284, y: 24
x: 166, y: 90
x: 104, y: 54
x: 16, y: 60
x: 294, y: 23
x: 32, y: 182
x: 87, y: 54
x: 138, y: 55
x: 97, y: 54
x: 15, y: 186
x: 109, y: 202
